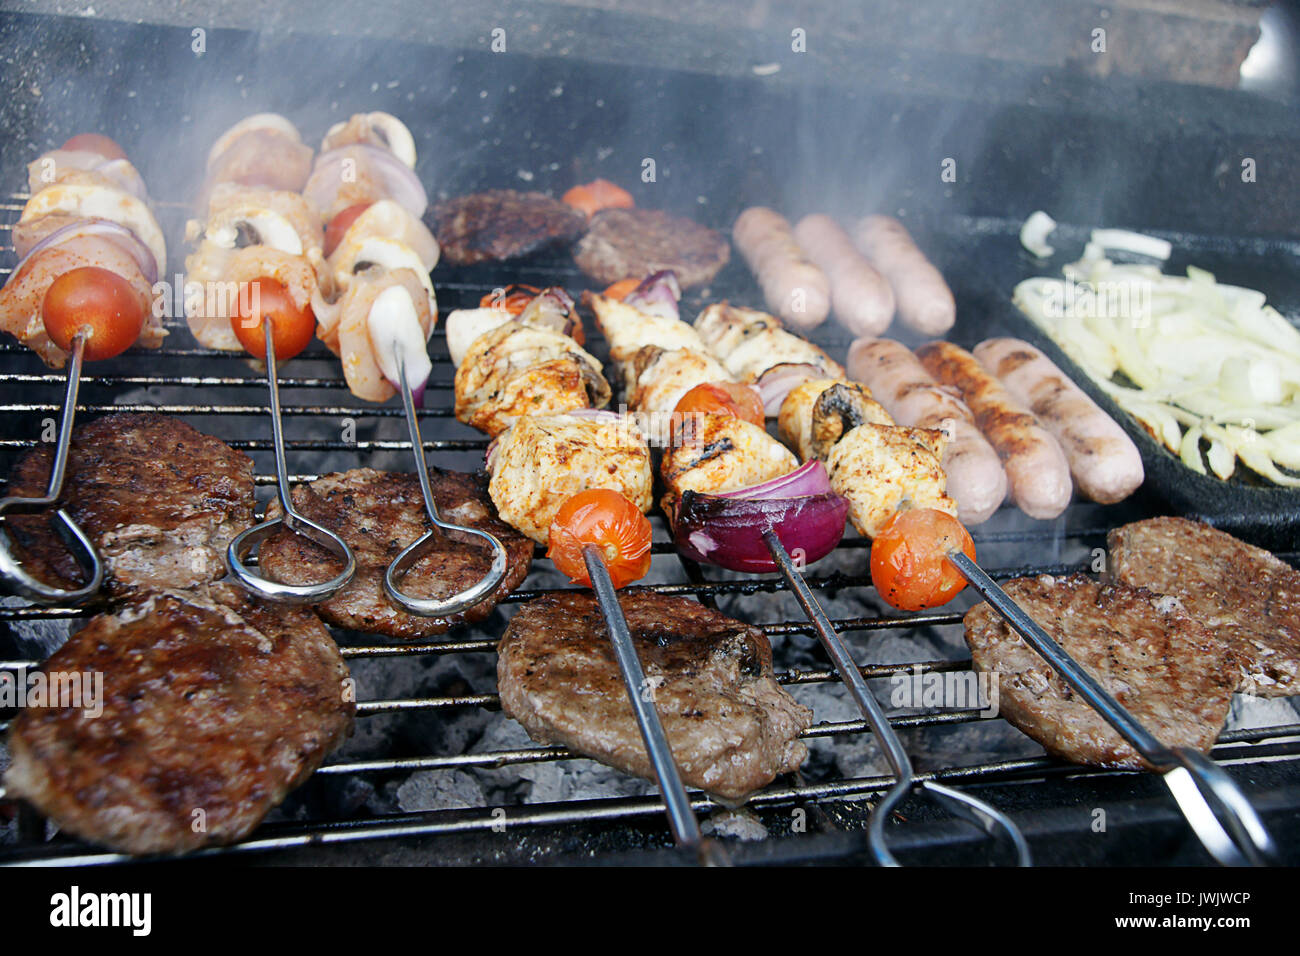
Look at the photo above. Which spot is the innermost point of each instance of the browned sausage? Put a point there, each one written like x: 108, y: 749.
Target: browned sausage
x: 924, y: 300
x: 794, y: 288
x: 1037, y: 470
x: 862, y: 299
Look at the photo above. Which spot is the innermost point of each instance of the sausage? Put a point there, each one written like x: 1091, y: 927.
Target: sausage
x: 1105, y: 463
x: 901, y: 384
x: 1037, y: 470
x: 794, y: 288
x: 862, y: 299
x: 924, y: 300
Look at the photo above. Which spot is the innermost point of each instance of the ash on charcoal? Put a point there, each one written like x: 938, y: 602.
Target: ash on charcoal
x: 738, y: 824
x: 440, y: 790
x: 38, y: 638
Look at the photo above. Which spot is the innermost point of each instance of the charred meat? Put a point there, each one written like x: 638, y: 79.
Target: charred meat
x: 159, y: 499
x: 731, y: 727
x: 624, y: 243
x: 1246, y: 595
x: 502, y: 224
x: 1173, y: 674
x: 378, y: 514
x: 214, y: 707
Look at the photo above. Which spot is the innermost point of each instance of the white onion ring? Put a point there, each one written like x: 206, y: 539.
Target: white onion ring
x: 398, y: 180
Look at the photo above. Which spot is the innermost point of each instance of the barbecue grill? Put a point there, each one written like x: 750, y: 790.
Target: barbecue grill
x: 427, y: 711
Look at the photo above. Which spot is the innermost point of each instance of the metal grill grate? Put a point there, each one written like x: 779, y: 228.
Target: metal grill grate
x: 221, y: 395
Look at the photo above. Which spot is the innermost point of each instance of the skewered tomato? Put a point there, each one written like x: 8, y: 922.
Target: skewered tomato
x: 609, y: 521
x: 722, y: 398
x: 99, y: 301
x: 513, y: 298
x: 909, y: 564
x: 597, y: 195
x: 96, y: 143
x: 268, y: 299
x: 622, y: 289
x: 338, y: 226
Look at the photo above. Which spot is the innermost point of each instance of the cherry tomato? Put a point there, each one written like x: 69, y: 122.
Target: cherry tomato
x: 722, y: 398
x: 597, y: 195
x: 622, y: 289
x: 909, y: 564
x: 291, y: 327
x: 513, y: 298
x: 608, y: 520
x: 99, y: 301
x: 338, y: 226
x: 95, y: 143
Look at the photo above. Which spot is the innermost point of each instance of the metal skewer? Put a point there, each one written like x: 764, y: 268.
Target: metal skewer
x: 436, y: 607
x: 83, y: 550
x: 290, y: 518
x: 988, y: 818
x: 1218, y: 812
x: 681, y: 818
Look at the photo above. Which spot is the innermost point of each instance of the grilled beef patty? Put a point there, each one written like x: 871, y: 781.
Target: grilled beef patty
x: 1249, y: 597
x: 1173, y: 674
x: 215, y: 706
x: 732, y: 728
x: 160, y: 500
x: 623, y: 243
x: 502, y: 224
x: 378, y: 514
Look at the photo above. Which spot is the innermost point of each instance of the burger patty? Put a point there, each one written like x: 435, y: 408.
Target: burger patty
x: 502, y: 224
x: 731, y: 727
x: 378, y: 514
x: 1248, y: 596
x: 1173, y: 674
x: 159, y: 499
x: 623, y: 243
x: 214, y: 707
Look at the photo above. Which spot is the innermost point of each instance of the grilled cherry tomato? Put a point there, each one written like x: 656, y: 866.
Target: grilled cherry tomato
x: 722, y: 398
x: 338, y: 226
x: 622, y: 289
x: 909, y: 564
x: 95, y: 143
x: 513, y: 298
x: 608, y: 520
x: 597, y: 195
x: 95, y: 299
x: 291, y: 327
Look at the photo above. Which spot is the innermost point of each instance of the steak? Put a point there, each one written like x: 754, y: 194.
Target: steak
x: 502, y: 224
x: 1249, y: 597
x: 731, y: 727
x: 160, y: 500
x: 623, y: 243
x: 214, y: 707
x: 1173, y: 674
x: 378, y: 514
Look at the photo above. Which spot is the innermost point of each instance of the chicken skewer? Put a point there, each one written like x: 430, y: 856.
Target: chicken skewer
x: 91, y: 250
x: 1218, y: 812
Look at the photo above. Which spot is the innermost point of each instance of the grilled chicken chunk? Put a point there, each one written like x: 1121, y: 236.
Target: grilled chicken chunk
x: 160, y: 500
x: 624, y: 243
x: 731, y: 726
x: 515, y: 370
x: 1247, y: 596
x: 795, y: 421
x: 714, y: 453
x: 628, y: 329
x: 655, y: 380
x: 378, y: 514
x: 1171, y: 672
x: 214, y: 707
x: 543, y: 460
x: 750, y: 342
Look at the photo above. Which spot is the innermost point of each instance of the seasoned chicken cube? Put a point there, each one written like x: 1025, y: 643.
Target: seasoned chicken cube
x: 655, y: 380
x: 751, y: 342
x: 797, y: 414
x: 543, y: 460
x: 628, y: 329
x: 715, y: 453
x: 882, y: 467
x: 514, y: 371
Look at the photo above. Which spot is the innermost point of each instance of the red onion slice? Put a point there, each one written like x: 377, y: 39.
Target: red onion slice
x: 780, y: 380
x: 809, y: 478
x: 729, y: 532
x: 397, y: 179
x: 103, y: 228
x: 658, y: 294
